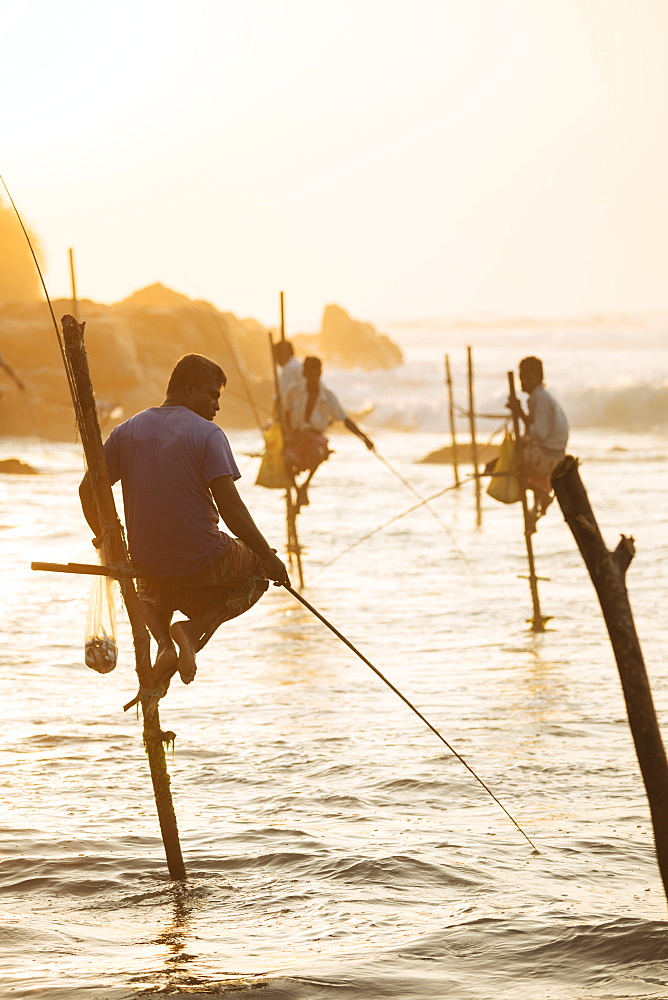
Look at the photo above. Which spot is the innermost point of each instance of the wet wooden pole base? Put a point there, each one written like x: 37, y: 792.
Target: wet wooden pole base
x: 114, y: 540
x: 608, y: 574
x: 537, y: 620
x: 474, y: 443
x: 294, y: 548
x: 451, y: 419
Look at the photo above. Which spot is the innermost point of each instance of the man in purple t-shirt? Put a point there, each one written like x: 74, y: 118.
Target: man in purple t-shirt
x: 177, y: 472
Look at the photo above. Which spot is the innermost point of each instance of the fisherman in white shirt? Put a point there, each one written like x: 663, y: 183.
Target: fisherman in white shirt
x: 309, y: 408
x: 546, y: 436
x: 291, y: 368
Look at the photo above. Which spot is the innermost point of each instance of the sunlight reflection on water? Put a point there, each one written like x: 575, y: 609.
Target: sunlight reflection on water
x: 331, y: 841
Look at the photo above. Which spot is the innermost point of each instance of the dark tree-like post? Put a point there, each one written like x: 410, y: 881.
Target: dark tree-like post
x: 112, y: 534
x: 608, y: 574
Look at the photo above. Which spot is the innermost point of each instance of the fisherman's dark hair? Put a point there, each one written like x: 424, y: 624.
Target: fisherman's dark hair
x: 311, y: 366
x: 283, y: 351
x: 532, y: 365
x: 195, y: 368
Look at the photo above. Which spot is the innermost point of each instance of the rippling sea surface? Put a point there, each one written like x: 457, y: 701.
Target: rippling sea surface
x: 334, y: 847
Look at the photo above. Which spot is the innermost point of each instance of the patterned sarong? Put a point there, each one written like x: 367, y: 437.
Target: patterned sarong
x: 539, y: 464
x: 232, y: 583
x: 306, y: 450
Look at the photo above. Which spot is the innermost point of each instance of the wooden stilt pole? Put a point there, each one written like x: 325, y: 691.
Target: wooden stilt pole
x: 75, y: 308
x: 608, y: 574
x: 282, y: 316
x: 293, y: 546
x: 112, y: 534
x: 538, y: 620
x: 451, y: 415
x: 474, y: 443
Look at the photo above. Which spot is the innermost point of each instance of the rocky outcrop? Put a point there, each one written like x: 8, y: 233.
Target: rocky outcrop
x: 131, y: 352
x: 350, y: 343
x: 132, y: 347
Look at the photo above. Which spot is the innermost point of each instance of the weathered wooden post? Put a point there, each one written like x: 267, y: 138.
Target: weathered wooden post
x: 608, y: 574
x: 538, y: 620
x: 294, y: 548
x: 282, y: 316
x: 474, y: 443
x: 451, y: 415
x: 112, y: 535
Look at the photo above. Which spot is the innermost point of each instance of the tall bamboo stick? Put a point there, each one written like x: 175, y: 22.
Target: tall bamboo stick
x: 538, y: 620
x: 474, y: 443
x: 608, y: 574
x: 282, y: 316
x: 293, y: 546
x: 112, y: 533
x: 451, y: 415
x: 75, y: 307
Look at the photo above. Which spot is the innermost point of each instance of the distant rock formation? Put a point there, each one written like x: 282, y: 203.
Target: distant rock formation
x: 16, y: 467
x: 349, y: 343
x: 132, y: 347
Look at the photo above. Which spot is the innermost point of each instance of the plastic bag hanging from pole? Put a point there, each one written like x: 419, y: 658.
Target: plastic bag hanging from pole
x: 100, y: 649
x: 272, y: 473
x: 505, y: 484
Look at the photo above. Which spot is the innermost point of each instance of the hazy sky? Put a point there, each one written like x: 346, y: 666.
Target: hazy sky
x: 403, y: 158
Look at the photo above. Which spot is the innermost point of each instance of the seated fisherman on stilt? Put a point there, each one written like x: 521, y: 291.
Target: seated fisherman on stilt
x: 309, y: 408
x: 178, y: 474
x: 544, y: 442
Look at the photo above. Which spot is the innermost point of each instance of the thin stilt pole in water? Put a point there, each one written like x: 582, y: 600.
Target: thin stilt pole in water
x: 75, y: 305
x: 608, y: 574
x: 282, y: 316
x: 474, y: 443
x: 451, y: 415
x: 112, y: 534
x: 538, y: 620
x: 293, y: 546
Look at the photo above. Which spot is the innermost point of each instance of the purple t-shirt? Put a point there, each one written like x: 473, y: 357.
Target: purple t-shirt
x: 166, y: 457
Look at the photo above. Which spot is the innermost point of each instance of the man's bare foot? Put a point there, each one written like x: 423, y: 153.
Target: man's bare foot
x: 186, y: 665
x: 164, y: 667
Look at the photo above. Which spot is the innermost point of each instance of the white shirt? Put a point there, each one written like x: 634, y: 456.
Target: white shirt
x: 327, y: 408
x: 548, y: 424
x: 291, y: 374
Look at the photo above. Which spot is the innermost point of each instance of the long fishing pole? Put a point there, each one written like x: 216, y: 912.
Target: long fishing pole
x: 320, y: 617
x: 39, y: 270
x: 61, y: 345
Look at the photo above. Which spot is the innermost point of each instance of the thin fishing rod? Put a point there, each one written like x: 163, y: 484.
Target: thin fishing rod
x: 424, y: 502
x: 76, y: 403
x: 39, y: 270
x: 61, y: 345
x: 314, y: 611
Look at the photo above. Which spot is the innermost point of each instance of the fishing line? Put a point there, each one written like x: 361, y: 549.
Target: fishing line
x: 397, y: 517
x: 76, y: 403
x: 242, y: 377
x: 314, y: 611
x: 223, y: 331
x: 425, y: 502
x: 39, y: 270
x: 463, y: 412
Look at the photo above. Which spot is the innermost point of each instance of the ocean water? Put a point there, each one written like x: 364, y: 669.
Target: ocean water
x: 334, y: 847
